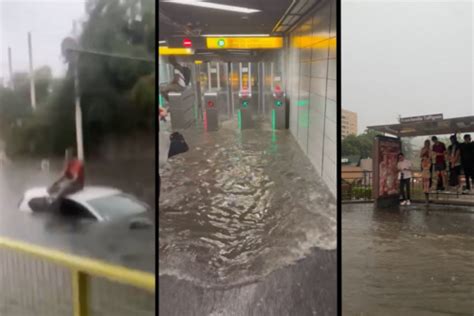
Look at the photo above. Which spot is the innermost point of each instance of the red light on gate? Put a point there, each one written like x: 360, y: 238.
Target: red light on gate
x: 210, y: 104
x: 187, y: 43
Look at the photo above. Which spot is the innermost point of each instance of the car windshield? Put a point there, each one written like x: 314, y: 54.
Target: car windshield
x: 116, y: 206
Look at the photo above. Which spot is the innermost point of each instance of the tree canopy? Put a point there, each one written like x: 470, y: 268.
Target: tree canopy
x: 117, y: 94
x: 362, y: 145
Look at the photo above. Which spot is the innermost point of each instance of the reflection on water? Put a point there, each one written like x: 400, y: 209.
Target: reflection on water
x: 239, y: 205
x: 418, y: 260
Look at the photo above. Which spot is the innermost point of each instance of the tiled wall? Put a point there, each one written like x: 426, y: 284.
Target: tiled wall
x: 312, y: 90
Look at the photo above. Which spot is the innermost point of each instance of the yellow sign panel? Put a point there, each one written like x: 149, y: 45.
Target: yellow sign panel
x: 163, y: 50
x: 198, y: 62
x: 244, y: 42
x: 314, y: 42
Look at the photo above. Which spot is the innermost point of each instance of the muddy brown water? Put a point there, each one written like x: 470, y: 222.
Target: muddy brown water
x: 415, y: 260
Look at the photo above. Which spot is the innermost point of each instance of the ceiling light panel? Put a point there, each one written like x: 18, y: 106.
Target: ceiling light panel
x: 212, y: 5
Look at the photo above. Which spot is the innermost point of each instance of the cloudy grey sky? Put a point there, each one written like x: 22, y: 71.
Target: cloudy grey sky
x: 408, y: 58
x: 49, y: 22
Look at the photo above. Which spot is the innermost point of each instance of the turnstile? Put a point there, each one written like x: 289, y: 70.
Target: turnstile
x: 181, y: 108
x: 278, y: 111
x: 245, y: 116
x: 212, y: 106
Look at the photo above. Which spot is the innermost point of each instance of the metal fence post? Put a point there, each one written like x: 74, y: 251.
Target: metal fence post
x: 80, y: 292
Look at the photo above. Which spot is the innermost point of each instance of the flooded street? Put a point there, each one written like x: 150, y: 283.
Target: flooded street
x: 416, y: 260
x: 237, y: 212
x: 111, y: 242
x: 118, y: 244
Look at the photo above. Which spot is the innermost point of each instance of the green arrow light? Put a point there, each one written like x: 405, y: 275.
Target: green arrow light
x: 245, y: 104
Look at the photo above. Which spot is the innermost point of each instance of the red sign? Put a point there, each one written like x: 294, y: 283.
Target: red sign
x: 187, y: 43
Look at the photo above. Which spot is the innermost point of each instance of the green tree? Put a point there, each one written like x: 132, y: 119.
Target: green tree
x: 117, y: 95
x: 114, y: 96
x: 360, y: 145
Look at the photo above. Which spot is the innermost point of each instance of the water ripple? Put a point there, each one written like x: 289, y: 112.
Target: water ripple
x: 238, y: 206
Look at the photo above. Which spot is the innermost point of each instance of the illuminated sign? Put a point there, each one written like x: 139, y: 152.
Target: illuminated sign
x: 245, y: 104
x: 198, y: 62
x: 244, y: 42
x: 195, y: 42
x: 187, y: 43
x: 163, y: 50
x: 221, y: 42
x: 318, y: 42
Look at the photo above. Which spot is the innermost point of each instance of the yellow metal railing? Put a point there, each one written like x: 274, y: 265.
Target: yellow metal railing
x: 82, y: 271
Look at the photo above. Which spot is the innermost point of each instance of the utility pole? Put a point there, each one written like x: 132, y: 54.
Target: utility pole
x: 32, y: 75
x: 10, y: 67
x: 77, y: 101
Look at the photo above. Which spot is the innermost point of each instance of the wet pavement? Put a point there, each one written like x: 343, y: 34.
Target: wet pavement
x: 415, y: 260
x: 246, y: 227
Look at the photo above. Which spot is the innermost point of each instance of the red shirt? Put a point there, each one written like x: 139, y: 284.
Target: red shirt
x: 75, y: 168
x: 439, y: 149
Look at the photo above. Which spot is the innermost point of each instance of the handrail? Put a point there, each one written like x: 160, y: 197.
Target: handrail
x: 140, y: 279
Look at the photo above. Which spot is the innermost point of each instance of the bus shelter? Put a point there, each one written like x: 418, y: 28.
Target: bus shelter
x: 387, y: 147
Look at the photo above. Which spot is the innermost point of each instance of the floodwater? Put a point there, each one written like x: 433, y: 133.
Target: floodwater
x: 415, y: 260
x: 235, y: 213
x: 118, y: 244
x: 31, y: 287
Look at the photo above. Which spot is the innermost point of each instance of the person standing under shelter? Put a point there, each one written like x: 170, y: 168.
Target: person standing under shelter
x: 439, y: 152
x: 467, y: 161
x: 454, y: 155
x: 426, y: 170
x: 404, y: 167
x: 427, y: 154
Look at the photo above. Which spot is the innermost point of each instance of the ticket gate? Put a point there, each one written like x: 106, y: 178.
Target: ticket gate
x: 181, y: 108
x: 211, y: 117
x: 245, y: 116
x: 278, y: 111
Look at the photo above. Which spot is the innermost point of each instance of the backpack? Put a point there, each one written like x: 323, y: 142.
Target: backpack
x: 177, y: 145
x: 187, y: 75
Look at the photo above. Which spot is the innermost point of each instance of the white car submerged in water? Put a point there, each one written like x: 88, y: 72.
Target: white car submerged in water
x: 93, y: 203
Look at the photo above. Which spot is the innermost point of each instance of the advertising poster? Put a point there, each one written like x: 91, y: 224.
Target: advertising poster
x: 386, y: 184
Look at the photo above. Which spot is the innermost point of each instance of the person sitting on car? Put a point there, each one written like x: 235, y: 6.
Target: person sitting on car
x: 71, y: 180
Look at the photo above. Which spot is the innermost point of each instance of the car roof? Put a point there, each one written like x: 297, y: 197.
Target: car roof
x: 92, y: 192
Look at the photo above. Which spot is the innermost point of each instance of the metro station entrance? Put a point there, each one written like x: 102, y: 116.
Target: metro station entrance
x: 227, y: 89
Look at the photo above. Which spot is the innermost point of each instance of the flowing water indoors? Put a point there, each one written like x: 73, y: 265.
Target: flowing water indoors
x: 238, y: 206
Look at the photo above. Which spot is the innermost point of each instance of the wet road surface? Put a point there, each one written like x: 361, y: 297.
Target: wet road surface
x: 416, y: 260
x: 239, y: 213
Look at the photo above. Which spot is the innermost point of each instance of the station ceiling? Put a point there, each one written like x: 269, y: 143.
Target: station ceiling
x: 175, y: 19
